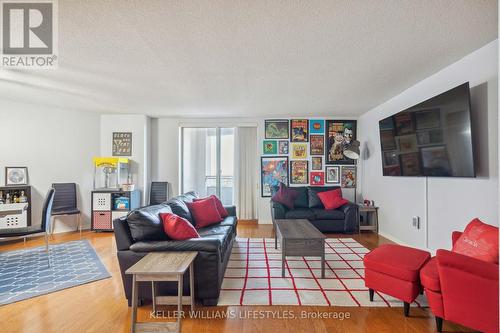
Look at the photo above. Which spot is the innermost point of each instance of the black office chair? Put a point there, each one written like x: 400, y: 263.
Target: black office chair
x: 159, y: 192
x: 65, y: 203
x: 44, y: 227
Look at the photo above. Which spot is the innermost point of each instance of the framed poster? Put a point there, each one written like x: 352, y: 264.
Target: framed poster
x: 299, y: 150
x: 273, y: 171
x: 391, y: 158
x: 317, y: 144
x: 316, y: 163
x: 270, y: 147
x: 122, y: 143
x: 283, y: 147
x: 299, y: 173
x: 299, y: 130
x: 317, y: 178
x: 348, y: 176
x: 435, y: 161
x: 430, y: 137
x: 407, y: 143
x: 387, y: 140
x: 339, y: 134
x: 16, y: 176
x: 333, y: 174
x: 410, y: 164
x: 430, y: 118
x: 404, y: 123
x: 316, y: 126
x: 276, y: 129
x: 386, y: 124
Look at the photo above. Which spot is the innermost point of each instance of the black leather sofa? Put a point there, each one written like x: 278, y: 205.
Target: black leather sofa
x: 308, y: 206
x: 141, y: 232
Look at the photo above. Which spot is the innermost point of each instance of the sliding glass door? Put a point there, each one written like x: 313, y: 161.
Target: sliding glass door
x: 207, y: 162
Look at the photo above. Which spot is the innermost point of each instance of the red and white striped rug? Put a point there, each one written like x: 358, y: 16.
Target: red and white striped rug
x: 253, y: 277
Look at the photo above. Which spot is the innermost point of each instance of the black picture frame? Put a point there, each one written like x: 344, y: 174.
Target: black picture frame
x: 305, y: 127
x: 290, y: 178
x: 284, y: 122
x: 334, y: 128
x: 287, y: 173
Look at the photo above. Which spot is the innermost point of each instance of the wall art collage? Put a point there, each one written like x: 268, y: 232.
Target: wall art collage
x: 307, y: 152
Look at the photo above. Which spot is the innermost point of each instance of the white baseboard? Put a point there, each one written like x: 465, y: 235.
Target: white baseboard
x: 400, y: 242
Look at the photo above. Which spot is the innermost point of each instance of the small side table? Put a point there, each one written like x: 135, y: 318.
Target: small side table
x: 371, y: 217
x: 162, y: 266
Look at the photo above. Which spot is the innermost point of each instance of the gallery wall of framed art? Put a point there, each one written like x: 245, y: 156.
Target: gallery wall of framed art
x: 300, y: 151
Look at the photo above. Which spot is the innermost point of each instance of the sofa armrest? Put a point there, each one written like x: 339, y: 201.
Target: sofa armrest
x: 455, y: 236
x: 231, y: 210
x: 351, y: 212
x: 193, y: 244
x: 277, y: 210
x: 123, y: 237
x: 466, y: 265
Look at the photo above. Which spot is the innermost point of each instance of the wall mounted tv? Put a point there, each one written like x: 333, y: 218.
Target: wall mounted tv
x: 430, y: 139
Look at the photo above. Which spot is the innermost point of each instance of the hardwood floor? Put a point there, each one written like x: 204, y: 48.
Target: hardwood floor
x: 101, y: 306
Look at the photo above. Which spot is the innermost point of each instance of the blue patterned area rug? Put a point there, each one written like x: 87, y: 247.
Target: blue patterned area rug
x: 25, y: 274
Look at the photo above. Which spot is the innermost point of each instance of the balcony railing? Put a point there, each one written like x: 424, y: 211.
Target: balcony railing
x: 226, y: 188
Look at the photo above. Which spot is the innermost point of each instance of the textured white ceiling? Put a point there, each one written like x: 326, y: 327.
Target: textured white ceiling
x: 249, y: 58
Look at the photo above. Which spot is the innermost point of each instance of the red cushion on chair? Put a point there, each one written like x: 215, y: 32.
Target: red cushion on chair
x: 332, y: 199
x: 220, y: 207
x: 398, y: 261
x: 178, y: 228
x: 479, y: 240
x: 204, y: 212
x: 429, y: 275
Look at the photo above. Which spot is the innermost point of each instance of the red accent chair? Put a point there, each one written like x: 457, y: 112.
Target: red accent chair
x: 394, y: 270
x: 462, y: 289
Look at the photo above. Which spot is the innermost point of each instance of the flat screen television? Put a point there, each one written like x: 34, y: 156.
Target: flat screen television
x: 430, y: 139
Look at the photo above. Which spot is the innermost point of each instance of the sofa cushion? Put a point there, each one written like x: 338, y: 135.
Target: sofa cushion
x: 189, y: 196
x: 180, y: 208
x: 285, y: 196
x: 312, y: 192
x: 220, y: 207
x: 479, y: 240
x: 230, y: 221
x: 300, y: 213
x: 429, y: 275
x: 398, y: 261
x: 302, y: 200
x: 204, y: 212
x: 209, y: 244
x: 177, y: 228
x: 328, y: 214
x: 145, y: 223
x: 217, y: 231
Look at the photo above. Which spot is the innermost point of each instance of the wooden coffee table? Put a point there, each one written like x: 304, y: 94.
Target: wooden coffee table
x: 162, y: 266
x: 298, y: 237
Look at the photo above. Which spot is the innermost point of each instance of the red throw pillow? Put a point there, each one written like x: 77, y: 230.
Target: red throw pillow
x: 178, y: 228
x: 204, y: 212
x: 479, y: 240
x: 285, y: 196
x: 332, y: 199
x: 220, y: 207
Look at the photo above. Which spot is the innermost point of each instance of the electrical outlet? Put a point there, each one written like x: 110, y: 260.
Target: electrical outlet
x: 416, y: 222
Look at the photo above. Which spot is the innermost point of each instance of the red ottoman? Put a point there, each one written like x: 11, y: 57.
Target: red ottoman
x: 394, y: 270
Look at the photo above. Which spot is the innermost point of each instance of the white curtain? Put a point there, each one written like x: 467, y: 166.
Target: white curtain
x: 245, y: 156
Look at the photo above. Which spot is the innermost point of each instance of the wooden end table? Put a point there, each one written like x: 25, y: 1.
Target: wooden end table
x: 371, y: 217
x: 162, y: 266
x: 298, y: 237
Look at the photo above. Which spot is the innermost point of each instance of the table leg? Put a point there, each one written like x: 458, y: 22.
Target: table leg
x: 283, y: 259
x: 134, y: 304
x: 153, y: 293
x: 191, y: 285
x: 323, y: 264
x: 179, y: 301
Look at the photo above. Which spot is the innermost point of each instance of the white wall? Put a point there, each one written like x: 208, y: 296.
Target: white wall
x: 56, y: 146
x: 139, y: 125
x: 452, y: 202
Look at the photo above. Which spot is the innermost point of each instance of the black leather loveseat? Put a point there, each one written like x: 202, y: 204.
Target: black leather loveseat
x: 141, y: 232
x: 308, y: 206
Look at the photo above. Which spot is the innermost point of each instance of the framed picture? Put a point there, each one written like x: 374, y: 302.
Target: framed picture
x: 276, y: 129
x: 299, y: 173
x: 317, y: 178
x: 317, y: 144
x: 299, y: 130
x: 333, y: 174
x: 273, y: 171
x: 387, y: 140
x: 430, y: 118
x: 339, y: 134
x: 430, y: 137
x: 122, y: 143
x: 283, y: 147
x: 16, y: 176
x: 410, y: 164
x: 316, y: 126
x: 316, y: 163
x: 348, y: 176
x: 404, y: 123
x: 407, y: 143
x: 299, y: 150
x: 392, y: 170
x: 270, y: 147
x: 435, y: 161
x: 391, y: 158
x: 386, y: 124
